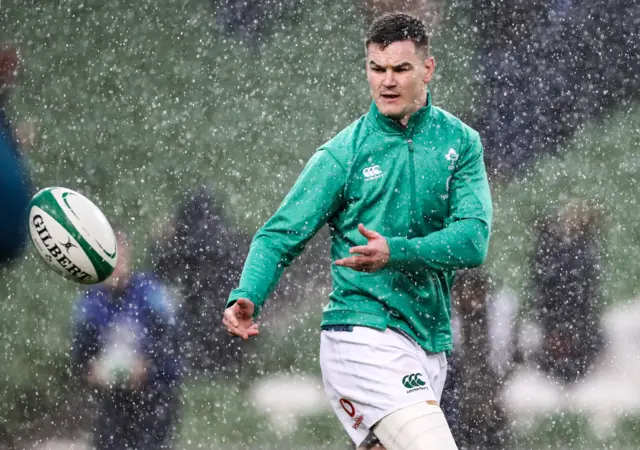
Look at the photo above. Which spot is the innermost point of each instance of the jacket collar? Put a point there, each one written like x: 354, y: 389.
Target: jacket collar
x: 417, y: 121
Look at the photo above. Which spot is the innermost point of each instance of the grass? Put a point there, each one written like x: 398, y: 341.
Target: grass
x: 219, y: 414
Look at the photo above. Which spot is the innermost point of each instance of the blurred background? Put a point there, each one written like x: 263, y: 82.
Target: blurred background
x: 186, y: 122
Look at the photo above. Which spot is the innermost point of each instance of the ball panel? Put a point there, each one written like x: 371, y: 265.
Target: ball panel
x: 47, y: 202
x: 59, y: 249
x: 89, y: 221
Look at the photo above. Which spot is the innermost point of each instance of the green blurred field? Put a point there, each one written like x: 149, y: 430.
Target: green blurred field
x: 138, y: 104
x: 209, y: 424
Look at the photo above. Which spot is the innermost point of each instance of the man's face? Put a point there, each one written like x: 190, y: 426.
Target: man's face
x: 120, y: 276
x: 9, y: 67
x: 398, y: 75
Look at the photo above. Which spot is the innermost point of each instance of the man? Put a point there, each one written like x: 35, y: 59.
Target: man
x: 471, y: 398
x: 15, y: 181
x: 566, y: 276
x: 124, y: 346
x: 183, y: 257
x: 406, y: 196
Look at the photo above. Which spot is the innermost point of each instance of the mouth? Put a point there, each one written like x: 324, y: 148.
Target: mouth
x: 390, y: 96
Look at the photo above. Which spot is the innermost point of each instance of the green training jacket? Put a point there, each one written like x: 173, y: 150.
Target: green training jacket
x: 423, y: 187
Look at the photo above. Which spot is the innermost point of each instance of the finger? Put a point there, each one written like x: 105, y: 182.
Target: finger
x: 230, y: 316
x: 363, y: 250
x: 244, y: 331
x: 360, y: 264
x: 230, y: 328
x: 346, y: 262
x: 238, y: 332
x: 234, y: 330
x: 354, y: 262
x: 369, y: 234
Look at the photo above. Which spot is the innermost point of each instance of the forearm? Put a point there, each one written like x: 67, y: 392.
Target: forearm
x: 463, y: 244
x: 314, y: 198
x: 272, y: 250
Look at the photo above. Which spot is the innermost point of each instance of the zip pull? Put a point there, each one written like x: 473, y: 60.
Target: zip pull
x: 410, y: 144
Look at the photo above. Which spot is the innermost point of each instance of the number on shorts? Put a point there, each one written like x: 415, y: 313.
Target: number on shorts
x: 348, y: 407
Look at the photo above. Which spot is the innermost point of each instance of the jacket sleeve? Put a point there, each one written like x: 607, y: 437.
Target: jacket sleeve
x: 313, y: 199
x: 464, y: 241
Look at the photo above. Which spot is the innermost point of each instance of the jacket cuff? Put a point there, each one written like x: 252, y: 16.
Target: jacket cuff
x: 398, y: 252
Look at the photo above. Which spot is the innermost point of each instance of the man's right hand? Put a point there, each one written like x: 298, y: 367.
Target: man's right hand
x: 95, y: 378
x: 238, y: 318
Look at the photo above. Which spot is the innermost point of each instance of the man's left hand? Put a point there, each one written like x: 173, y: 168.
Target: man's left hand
x: 373, y: 256
x: 27, y: 134
x: 138, y: 375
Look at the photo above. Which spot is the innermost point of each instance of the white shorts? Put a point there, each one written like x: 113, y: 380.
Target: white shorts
x: 369, y: 374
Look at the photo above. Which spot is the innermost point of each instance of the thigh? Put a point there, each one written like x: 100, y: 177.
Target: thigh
x: 435, y: 366
x: 369, y: 374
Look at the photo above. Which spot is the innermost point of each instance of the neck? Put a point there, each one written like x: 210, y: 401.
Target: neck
x: 118, y: 285
x: 419, y: 105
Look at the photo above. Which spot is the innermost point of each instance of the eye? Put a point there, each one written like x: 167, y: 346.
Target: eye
x: 377, y: 69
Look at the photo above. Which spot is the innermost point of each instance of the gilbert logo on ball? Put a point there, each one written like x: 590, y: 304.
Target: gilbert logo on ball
x: 72, y: 235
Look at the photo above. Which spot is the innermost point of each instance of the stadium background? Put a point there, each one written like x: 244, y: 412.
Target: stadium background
x: 137, y: 104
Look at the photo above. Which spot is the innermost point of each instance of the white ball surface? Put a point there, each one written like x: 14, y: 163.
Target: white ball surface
x: 72, y: 235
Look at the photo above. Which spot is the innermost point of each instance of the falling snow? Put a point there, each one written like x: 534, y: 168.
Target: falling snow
x: 187, y: 122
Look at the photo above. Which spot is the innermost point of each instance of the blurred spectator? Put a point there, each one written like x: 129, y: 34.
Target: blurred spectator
x: 15, y: 182
x: 202, y: 255
x: 124, y: 346
x: 503, y: 308
x: 547, y: 68
x: 251, y: 18
x: 484, y: 356
x: 430, y: 11
x: 566, y: 274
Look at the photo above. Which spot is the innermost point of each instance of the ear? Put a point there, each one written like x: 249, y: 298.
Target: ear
x: 429, y: 66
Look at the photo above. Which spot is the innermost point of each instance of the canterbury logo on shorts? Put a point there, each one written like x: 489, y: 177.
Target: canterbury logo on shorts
x: 413, y: 381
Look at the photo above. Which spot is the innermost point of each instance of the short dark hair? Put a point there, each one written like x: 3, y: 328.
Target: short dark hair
x: 396, y: 27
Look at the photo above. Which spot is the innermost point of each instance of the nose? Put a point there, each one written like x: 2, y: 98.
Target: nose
x: 389, y: 79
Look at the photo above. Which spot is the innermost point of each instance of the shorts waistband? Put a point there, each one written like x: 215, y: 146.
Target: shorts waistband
x: 348, y: 328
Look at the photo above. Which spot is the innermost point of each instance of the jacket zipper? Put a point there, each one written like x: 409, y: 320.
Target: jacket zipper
x: 413, y: 223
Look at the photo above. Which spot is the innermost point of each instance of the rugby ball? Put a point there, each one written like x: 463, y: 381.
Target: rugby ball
x: 72, y: 235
